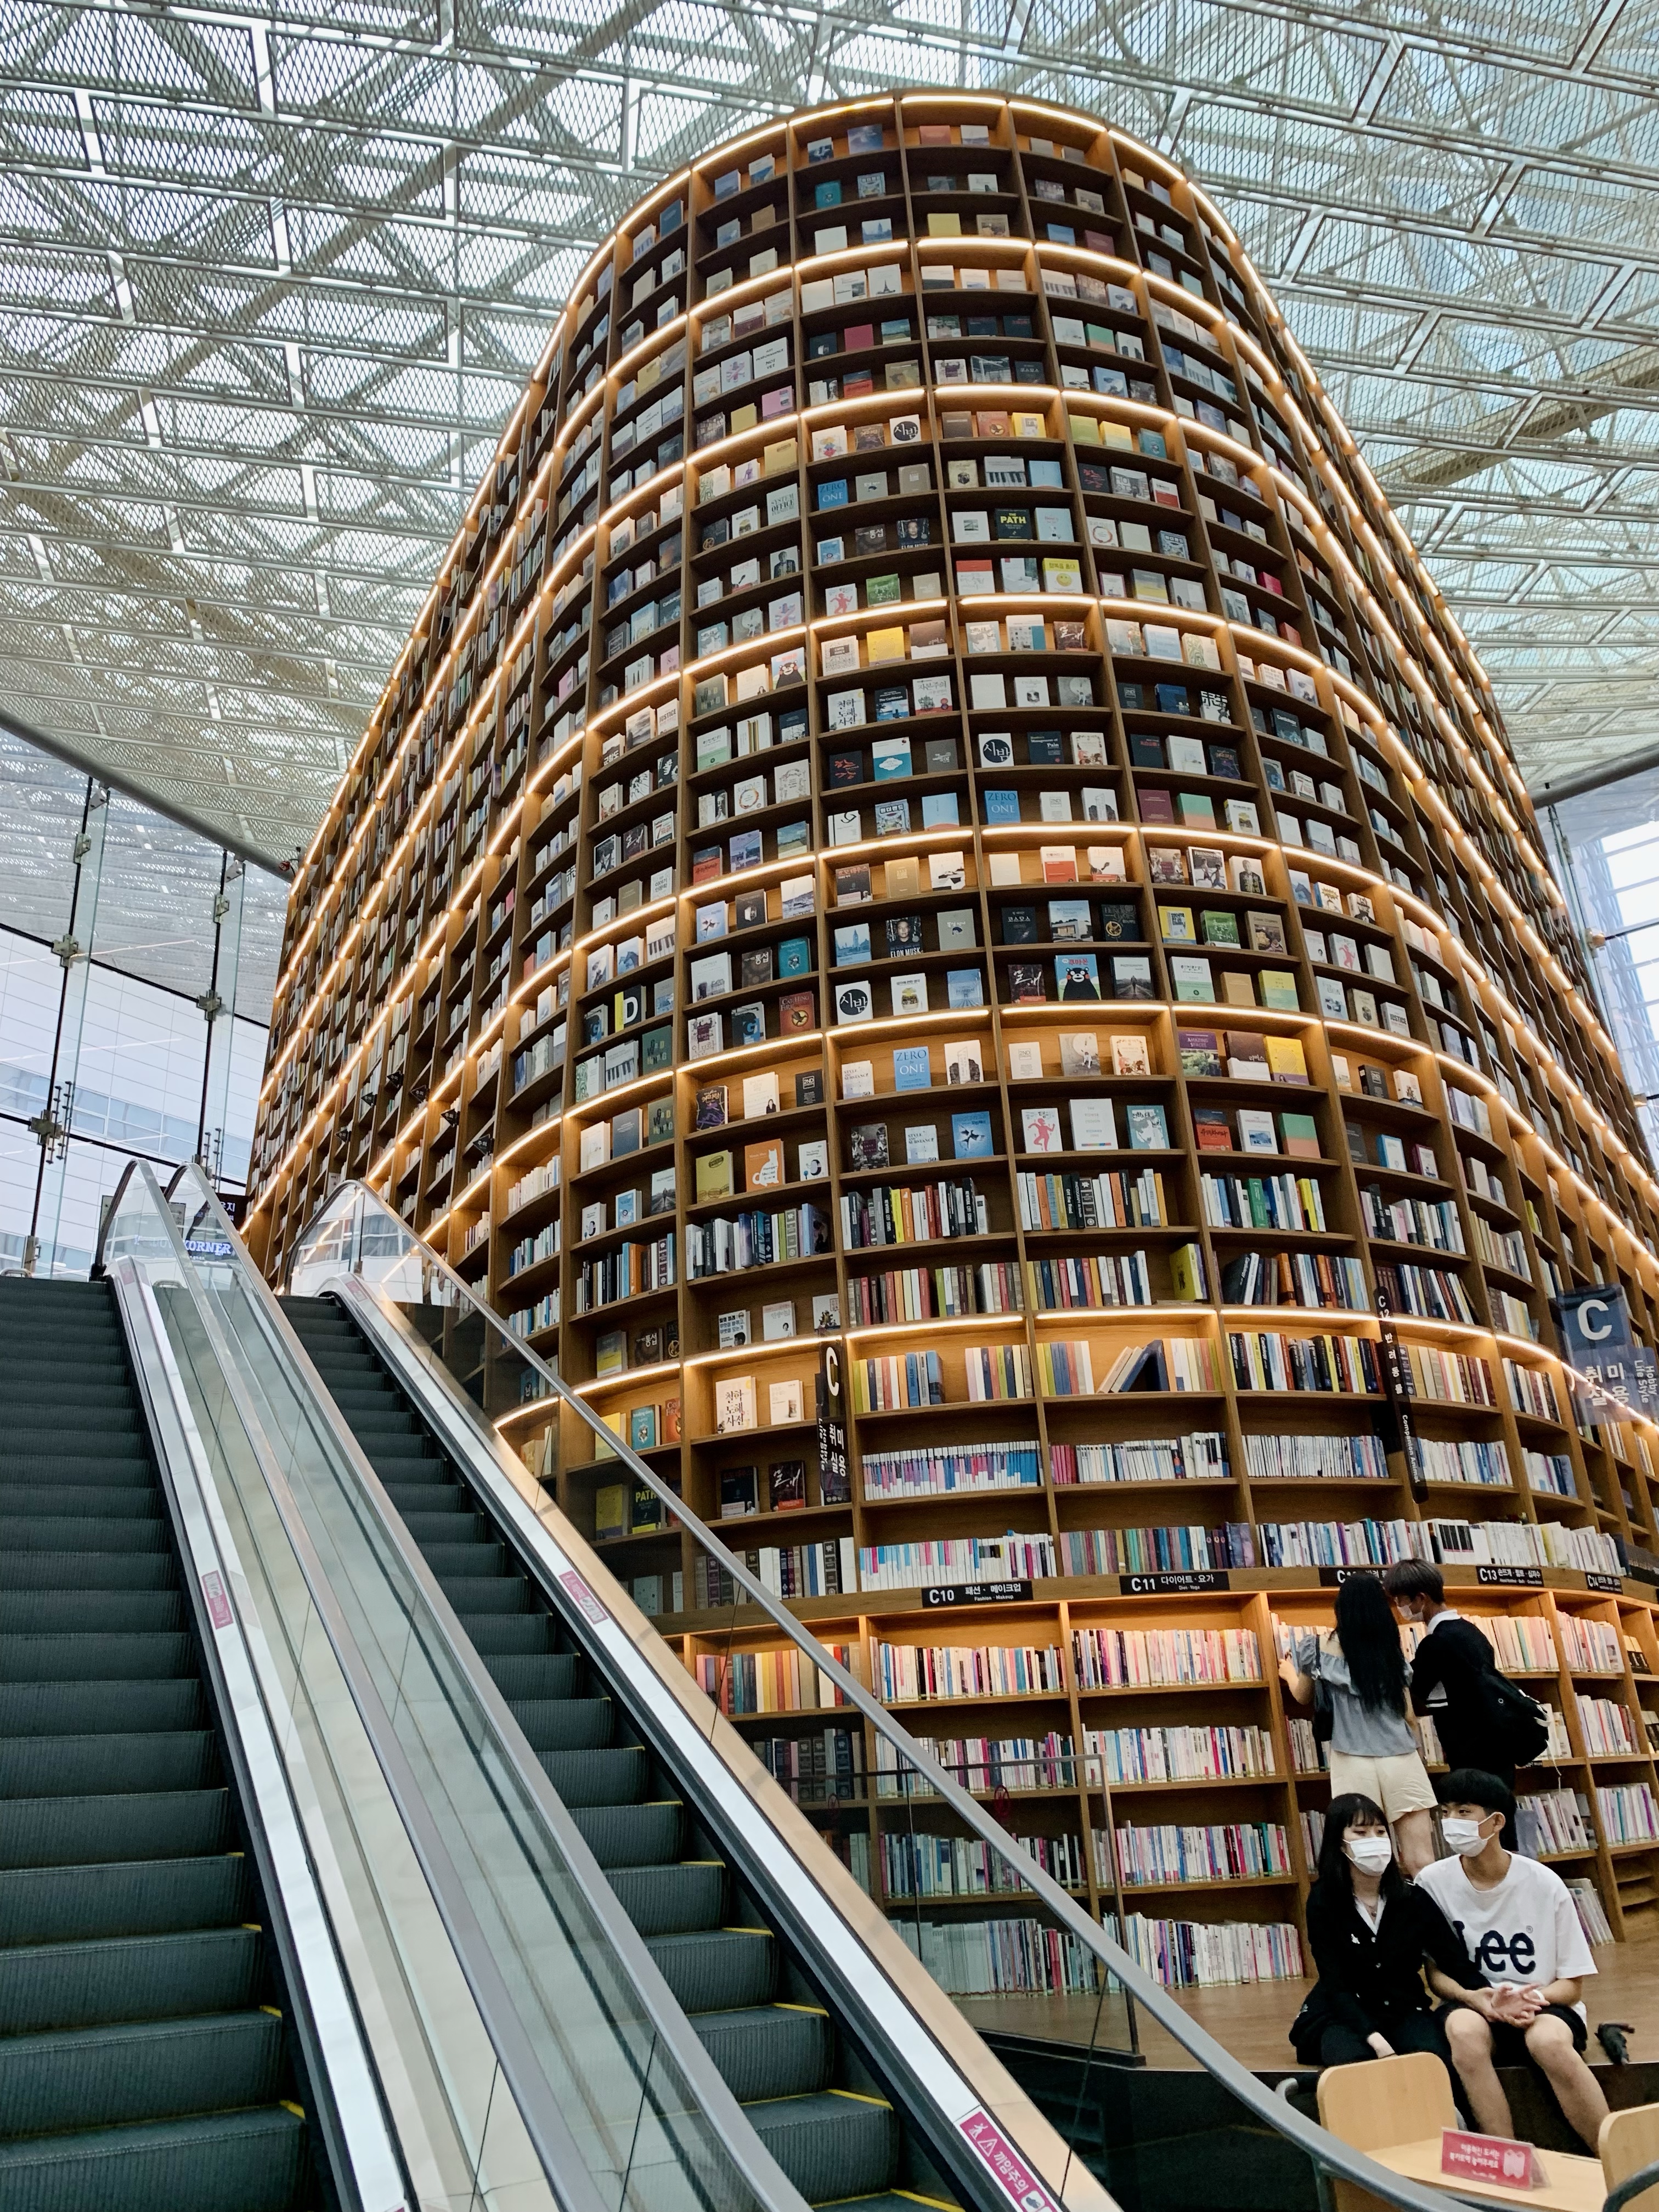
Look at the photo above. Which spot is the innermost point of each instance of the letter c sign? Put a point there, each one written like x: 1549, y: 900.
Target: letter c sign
x: 1596, y: 1330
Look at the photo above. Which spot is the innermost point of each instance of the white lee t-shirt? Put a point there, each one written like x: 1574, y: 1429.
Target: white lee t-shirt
x: 1523, y: 1930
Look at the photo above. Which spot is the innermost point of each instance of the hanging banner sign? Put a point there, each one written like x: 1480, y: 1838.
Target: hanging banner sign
x: 1598, y: 1341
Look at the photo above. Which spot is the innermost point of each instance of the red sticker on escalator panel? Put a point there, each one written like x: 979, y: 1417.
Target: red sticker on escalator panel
x: 1020, y: 2183
x: 586, y: 1604
x: 218, y: 1604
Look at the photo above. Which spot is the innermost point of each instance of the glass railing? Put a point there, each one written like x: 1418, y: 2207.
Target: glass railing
x: 455, y: 2118
x: 949, y: 1837
x: 572, y: 2043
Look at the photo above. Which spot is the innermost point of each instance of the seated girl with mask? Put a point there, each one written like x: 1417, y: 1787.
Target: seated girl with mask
x: 1371, y: 1932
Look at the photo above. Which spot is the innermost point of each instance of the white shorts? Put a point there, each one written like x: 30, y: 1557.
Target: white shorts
x: 1398, y: 1785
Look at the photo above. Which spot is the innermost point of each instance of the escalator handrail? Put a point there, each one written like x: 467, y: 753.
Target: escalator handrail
x: 360, y: 2145
x: 734, y: 2130
x: 1326, y: 2151
x: 564, y: 2168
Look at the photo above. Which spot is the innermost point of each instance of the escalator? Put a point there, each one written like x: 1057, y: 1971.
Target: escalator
x: 619, y: 1971
x: 146, y: 2053
x: 817, y: 2103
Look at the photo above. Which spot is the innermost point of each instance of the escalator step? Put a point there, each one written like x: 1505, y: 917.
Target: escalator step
x: 127, y: 1502
x: 36, y: 1393
x: 109, y: 1471
x: 527, y: 1674
x: 45, y: 1766
x: 139, y: 1897
x: 56, y: 1532
x: 392, y: 1423
x: 631, y: 1835
x: 33, y: 1428
x: 446, y: 1531
x: 396, y: 1463
x: 104, y: 1657
x: 249, y: 2161
x: 372, y: 1395
x: 82, y: 1611
x: 99, y: 2077
x: 181, y: 1823
x: 616, y: 1777
x: 473, y: 1595
x: 671, y: 1900
x: 888, y: 2200
x: 89, y: 1985
x: 718, y: 1970
x: 91, y: 1707
x: 96, y: 1657
x: 508, y: 1635
x: 477, y: 1558
x: 769, y: 2050
x: 92, y: 1571
x: 434, y: 1494
x: 565, y: 1723
x: 831, y: 2145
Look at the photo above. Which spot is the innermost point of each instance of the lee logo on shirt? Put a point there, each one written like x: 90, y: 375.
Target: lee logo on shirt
x: 1495, y: 1953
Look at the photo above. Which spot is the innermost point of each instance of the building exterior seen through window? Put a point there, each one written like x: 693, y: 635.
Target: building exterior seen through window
x: 137, y: 964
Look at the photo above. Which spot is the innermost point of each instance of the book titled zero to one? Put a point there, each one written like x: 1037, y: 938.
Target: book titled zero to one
x: 1496, y: 2158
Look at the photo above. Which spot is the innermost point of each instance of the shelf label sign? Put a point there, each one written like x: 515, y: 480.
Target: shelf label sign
x: 977, y: 1594
x: 1597, y: 1341
x: 1200, y: 1578
x: 1526, y: 1577
x: 1613, y: 1584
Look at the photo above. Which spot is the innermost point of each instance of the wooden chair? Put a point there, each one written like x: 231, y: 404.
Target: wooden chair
x: 1378, y: 2103
x: 1628, y: 2142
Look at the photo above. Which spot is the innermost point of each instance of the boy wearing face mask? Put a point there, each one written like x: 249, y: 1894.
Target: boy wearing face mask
x: 1517, y: 1921
x: 1371, y: 1932
x: 1452, y: 1665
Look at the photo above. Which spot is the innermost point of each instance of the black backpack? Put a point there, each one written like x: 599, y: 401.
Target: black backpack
x: 1519, y: 1723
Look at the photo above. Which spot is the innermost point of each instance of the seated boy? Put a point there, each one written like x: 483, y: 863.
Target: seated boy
x: 1519, y: 1925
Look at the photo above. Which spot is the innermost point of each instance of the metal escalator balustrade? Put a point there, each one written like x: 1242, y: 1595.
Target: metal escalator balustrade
x: 619, y: 2102
x: 146, y: 2057
x: 820, y: 2114
x: 476, y: 1383
x: 957, y: 2113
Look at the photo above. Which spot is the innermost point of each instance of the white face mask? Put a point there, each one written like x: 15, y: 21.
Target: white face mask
x: 1371, y: 1854
x: 1464, y: 1836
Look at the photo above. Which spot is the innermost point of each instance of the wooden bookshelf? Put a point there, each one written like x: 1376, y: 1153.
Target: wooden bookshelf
x: 886, y: 680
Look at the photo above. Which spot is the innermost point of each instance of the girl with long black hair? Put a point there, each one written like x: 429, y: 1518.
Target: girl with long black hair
x: 1362, y: 1669
x: 1371, y: 1932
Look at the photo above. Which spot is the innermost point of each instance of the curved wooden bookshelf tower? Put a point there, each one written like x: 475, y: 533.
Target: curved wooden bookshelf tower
x: 934, y: 816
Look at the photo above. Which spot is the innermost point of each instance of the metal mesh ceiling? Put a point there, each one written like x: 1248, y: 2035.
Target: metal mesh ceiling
x: 268, y: 284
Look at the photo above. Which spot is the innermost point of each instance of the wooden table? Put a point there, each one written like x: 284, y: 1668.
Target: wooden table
x: 1573, y: 2183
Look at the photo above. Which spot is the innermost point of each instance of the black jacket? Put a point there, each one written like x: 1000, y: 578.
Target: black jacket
x: 1366, y: 1979
x: 1456, y: 1658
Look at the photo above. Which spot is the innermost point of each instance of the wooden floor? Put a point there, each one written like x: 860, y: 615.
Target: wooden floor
x: 1252, y: 2022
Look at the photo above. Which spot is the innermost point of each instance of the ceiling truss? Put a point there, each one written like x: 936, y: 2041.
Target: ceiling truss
x: 269, y: 283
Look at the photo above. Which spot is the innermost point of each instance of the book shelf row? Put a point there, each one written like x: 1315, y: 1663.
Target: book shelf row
x: 1129, y: 1783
